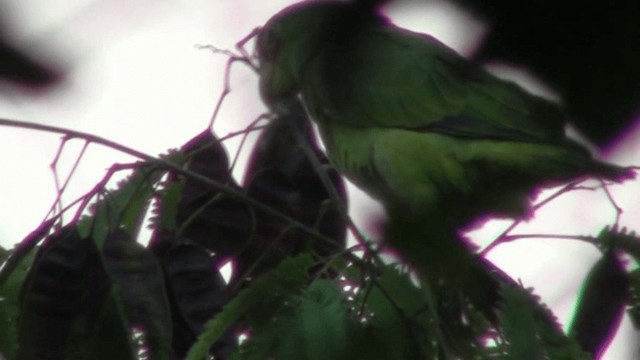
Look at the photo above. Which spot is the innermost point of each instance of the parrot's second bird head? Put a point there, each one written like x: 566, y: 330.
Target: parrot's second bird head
x: 289, y: 40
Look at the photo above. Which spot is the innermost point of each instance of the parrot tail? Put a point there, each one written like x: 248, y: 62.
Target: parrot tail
x: 446, y: 263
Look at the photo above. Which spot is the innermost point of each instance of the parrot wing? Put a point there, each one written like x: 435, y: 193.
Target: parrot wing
x: 388, y: 77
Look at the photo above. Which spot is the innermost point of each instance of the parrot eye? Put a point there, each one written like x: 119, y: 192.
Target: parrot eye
x: 268, y: 42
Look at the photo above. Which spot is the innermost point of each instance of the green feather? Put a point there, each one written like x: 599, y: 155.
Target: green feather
x: 412, y: 122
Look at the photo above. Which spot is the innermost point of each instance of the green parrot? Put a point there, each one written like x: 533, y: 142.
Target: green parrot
x: 437, y: 139
x: 410, y: 121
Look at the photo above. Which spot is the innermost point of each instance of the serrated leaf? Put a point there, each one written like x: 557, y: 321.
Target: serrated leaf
x: 519, y: 326
x: 634, y: 298
x: 400, y: 319
x: 123, y: 207
x: 167, y: 208
x: 266, y: 341
x: 285, y: 279
x: 620, y: 239
x: 312, y: 327
x: 323, y: 321
x: 394, y: 291
x: 528, y: 325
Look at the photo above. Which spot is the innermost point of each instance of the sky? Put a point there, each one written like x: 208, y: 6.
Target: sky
x: 135, y: 76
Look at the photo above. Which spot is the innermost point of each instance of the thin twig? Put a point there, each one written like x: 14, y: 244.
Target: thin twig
x: 328, y: 185
x: 215, y: 185
x: 233, y: 134
x: 24, y: 248
x: 97, y: 189
x: 613, y: 202
x: 499, y: 239
x: 509, y: 238
x: 233, y: 58
x: 77, y: 134
x: 54, y: 168
x: 245, y: 133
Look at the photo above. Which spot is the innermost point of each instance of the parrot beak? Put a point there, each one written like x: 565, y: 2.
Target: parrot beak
x: 277, y: 87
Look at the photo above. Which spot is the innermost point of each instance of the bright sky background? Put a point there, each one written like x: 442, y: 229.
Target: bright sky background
x: 135, y: 77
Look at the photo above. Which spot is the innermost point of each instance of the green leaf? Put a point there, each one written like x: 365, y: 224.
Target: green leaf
x: 167, y: 208
x: 621, y: 239
x: 267, y: 340
x: 9, y: 304
x: 285, y: 279
x: 310, y: 327
x: 519, y: 326
x: 323, y: 322
x: 139, y: 283
x: 634, y: 298
x: 394, y: 291
x: 123, y: 207
x: 399, y: 317
x: 531, y: 331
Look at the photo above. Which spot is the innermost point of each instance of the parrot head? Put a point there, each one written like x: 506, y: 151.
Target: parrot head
x: 290, y: 39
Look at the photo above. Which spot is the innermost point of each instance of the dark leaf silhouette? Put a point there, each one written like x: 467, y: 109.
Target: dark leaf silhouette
x: 218, y: 222
x: 280, y: 174
x: 601, y: 304
x: 197, y: 292
x: 66, y: 282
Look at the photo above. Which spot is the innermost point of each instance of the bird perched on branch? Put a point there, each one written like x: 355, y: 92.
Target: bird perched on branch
x: 437, y: 139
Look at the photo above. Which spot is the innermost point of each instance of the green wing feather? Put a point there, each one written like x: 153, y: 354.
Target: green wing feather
x: 390, y: 77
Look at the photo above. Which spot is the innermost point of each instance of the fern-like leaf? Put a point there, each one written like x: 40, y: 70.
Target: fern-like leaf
x: 285, y: 279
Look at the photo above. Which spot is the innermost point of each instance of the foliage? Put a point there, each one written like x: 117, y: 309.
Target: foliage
x: 91, y: 291
x: 90, y: 281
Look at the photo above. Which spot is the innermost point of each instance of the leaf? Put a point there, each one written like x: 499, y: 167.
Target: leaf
x: 323, y: 321
x: 621, y: 239
x: 281, y: 175
x: 399, y: 316
x: 601, y: 304
x: 313, y: 326
x: 519, y: 326
x: 190, y: 210
x: 103, y: 334
x: 634, y: 298
x: 198, y: 292
x: 9, y: 304
x: 139, y: 285
x: 531, y: 331
x: 55, y: 293
x: 166, y: 210
x: 285, y: 279
x: 265, y: 341
x: 125, y: 206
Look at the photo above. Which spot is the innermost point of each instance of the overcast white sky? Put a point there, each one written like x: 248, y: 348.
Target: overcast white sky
x: 135, y: 77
